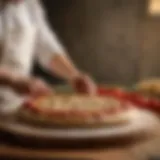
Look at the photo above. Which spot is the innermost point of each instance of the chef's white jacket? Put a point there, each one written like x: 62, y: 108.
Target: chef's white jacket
x: 24, y: 36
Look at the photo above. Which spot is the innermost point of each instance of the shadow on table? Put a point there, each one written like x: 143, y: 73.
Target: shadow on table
x: 36, y: 143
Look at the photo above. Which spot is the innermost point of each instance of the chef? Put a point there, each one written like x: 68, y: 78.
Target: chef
x: 26, y: 36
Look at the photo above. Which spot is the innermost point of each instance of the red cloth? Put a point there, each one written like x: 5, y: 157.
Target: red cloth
x: 140, y: 101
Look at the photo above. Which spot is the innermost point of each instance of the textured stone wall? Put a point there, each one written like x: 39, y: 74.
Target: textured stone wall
x: 114, y: 40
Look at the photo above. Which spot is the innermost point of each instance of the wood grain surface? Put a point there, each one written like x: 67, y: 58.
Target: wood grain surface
x: 140, y: 150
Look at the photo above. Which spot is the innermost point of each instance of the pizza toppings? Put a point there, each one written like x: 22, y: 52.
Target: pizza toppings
x: 75, y: 103
x: 77, y: 110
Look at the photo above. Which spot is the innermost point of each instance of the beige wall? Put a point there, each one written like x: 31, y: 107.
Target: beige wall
x: 114, y: 40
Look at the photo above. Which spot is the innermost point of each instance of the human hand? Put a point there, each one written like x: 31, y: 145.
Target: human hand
x: 84, y: 84
x: 31, y: 86
x: 22, y: 84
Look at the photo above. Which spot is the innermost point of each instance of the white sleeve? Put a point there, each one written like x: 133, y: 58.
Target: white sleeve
x: 15, y: 55
x: 47, y: 43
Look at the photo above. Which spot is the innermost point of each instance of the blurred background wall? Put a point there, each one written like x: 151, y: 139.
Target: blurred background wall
x: 116, y: 41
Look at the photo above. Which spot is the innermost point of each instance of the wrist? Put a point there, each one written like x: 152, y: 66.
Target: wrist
x: 74, y: 75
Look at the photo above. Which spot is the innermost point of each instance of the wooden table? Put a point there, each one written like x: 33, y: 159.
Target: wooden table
x: 137, y: 151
